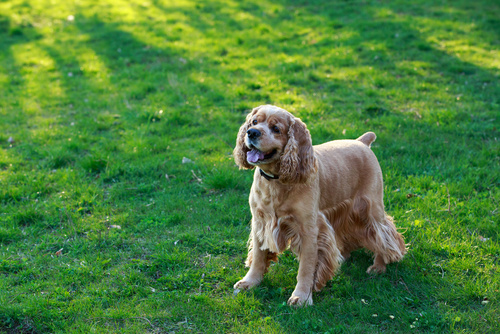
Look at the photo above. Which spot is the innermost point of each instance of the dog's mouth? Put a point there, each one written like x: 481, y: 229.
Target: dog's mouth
x: 255, y: 156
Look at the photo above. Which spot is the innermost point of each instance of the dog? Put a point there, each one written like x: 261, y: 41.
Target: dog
x: 322, y: 202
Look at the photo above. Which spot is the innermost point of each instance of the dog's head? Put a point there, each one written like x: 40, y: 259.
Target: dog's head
x: 272, y: 137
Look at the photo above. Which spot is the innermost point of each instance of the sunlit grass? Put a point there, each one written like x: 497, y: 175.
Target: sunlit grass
x: 102, y: 101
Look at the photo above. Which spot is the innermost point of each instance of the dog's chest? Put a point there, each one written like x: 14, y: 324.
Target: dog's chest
x: 265, y: 205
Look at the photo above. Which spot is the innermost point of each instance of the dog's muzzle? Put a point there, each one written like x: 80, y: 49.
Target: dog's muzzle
x: 253, y: 134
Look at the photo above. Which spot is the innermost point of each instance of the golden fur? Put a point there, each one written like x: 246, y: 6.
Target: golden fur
x: 320, y: 201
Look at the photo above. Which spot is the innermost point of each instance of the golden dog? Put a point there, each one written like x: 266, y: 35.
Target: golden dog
x: 322, y: 201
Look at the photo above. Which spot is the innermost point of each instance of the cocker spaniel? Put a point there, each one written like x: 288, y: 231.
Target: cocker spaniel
x: 323, y: 201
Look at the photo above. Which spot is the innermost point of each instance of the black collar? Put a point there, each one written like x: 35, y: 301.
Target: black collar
x: 268, y: 177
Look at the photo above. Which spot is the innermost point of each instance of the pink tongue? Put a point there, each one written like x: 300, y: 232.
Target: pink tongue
x: 255, y: 155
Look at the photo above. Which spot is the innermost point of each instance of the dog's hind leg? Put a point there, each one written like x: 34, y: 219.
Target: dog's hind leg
x: 387, y: 244
x: 380, y: 235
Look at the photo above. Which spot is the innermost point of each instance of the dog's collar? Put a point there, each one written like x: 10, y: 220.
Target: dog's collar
x: 267, y: 176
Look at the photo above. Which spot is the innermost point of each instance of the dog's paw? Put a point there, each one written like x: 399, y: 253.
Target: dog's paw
x: 300, y: 299
x: 245, y: 284
x: 376, y: 269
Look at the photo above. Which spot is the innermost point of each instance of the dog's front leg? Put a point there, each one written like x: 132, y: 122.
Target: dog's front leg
x: 258, y: 261
x: 308, y: 258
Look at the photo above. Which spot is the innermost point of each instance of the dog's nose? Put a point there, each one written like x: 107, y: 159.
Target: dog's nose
x: 253, y: 133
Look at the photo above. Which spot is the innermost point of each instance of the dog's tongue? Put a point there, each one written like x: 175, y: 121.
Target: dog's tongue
x: 254, y: 155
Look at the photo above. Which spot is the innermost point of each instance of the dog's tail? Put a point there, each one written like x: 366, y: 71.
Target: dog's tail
x: 368, y: 138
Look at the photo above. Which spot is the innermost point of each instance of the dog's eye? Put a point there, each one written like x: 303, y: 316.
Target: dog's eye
x: 254, y: 122
x: 276, y: 129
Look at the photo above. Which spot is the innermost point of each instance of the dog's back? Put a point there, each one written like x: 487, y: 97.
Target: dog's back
x: 346, y: 168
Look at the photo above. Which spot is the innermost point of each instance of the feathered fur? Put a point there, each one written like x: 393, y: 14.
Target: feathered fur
x: 326, y: 202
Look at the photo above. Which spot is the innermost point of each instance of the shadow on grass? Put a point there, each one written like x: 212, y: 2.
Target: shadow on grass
x: 11, y: 36
x: 104, y: 102
x: 385, y: 39
x: 401, y: 49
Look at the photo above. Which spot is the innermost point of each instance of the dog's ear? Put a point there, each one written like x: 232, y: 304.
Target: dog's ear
x: 298, y: 160
x: 240, y: 151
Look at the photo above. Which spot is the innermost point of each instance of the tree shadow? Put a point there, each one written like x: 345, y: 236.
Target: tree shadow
x: 157, y: 73
x: 14, y: 82
x: 385, y: 39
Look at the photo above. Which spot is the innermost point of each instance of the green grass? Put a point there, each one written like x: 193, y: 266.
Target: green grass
x: 103, y: 106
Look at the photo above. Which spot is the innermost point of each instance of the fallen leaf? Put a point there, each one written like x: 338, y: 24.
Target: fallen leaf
x: 182, y: 322
x: 195, y: 176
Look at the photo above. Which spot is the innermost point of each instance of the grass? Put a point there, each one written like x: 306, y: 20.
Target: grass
x: 103, y: 228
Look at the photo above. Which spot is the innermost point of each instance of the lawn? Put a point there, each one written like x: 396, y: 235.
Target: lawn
x: 122, y: 210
